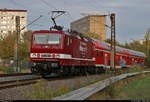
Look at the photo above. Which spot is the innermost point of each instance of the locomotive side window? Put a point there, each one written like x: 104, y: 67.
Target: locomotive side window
x: 47, y: 38
x: 97, y: 53
x: 101, y: 54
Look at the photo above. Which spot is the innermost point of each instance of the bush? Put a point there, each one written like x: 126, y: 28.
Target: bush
x: 148, y: 61
x: 6, y: 69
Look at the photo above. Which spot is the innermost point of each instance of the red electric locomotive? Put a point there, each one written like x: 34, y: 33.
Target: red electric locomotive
x: 60, y: 51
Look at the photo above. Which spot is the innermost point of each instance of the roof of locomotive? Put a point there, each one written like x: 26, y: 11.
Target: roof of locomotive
x: 66, y: 33
x: 100, y: 43
x: 119, y: 49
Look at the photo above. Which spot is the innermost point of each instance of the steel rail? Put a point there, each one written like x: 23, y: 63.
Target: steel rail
x: 17, y: 79
x: 14, y: 74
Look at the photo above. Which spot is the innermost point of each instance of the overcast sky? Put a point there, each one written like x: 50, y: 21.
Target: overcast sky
x: 132, y: 16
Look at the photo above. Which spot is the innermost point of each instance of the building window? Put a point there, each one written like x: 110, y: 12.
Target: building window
x: 3, y: 22
x: 12, y: 17
x: 4, y: 31
x: 3, y: 27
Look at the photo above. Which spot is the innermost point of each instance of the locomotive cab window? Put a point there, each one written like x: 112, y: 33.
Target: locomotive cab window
x: 47, y: 39
x: 54, y: 39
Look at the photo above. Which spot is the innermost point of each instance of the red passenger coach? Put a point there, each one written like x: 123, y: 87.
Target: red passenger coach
x: 123, y: 58
x: 60, y: 51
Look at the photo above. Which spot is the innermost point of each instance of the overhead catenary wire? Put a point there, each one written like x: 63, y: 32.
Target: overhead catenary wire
x: 69, y: 15
x: 25, y: 7
x: 67, y: 12
x: 48, y: 4
x: 18, y: 4
x: 32, y: 22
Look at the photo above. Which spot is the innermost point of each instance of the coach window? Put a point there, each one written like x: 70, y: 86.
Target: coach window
x: 67, y: 40
x: 101, y: 54
x: 97, y: 53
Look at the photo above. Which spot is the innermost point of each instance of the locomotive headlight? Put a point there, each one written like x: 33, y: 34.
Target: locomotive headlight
x: 33, y: 55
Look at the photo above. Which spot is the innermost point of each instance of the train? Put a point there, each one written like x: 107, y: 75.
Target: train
x: 67, y: 53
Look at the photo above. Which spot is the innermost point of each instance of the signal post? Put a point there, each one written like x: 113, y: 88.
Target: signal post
x: 113, y: 42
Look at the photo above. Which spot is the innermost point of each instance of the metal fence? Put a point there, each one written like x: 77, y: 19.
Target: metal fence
x: 12, y: 64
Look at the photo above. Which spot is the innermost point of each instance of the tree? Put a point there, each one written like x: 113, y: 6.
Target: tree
x: 7, y: 46
x: 25, y: 46
x: 109, y: 41
x: 92, y: 35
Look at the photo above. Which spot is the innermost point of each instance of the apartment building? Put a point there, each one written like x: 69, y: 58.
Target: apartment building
x: 8, y: 21
x: 91, y: 23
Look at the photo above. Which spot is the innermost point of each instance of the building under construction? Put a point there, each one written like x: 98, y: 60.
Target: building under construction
x: 91, y: 23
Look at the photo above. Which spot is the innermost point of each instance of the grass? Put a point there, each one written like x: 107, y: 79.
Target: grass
x: 26, y: 70
x: 132, y: 88
x: 40, y: 91
x: 138, y: 89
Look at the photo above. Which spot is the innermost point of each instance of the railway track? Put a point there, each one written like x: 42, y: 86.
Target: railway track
x: 14, y: 74
x: 20, y: 79
x: 17, y: 79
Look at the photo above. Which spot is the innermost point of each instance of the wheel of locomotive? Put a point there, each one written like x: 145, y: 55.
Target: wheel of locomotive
x: 96, y: 70
x: 83, y: 70
x: 63, y: 71
x: 34, y: 70
x: 80, y: 71
x: 72, y: 70
x: 103, y: 70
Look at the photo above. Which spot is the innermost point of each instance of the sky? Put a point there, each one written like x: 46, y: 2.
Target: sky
x: 132, y: 16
